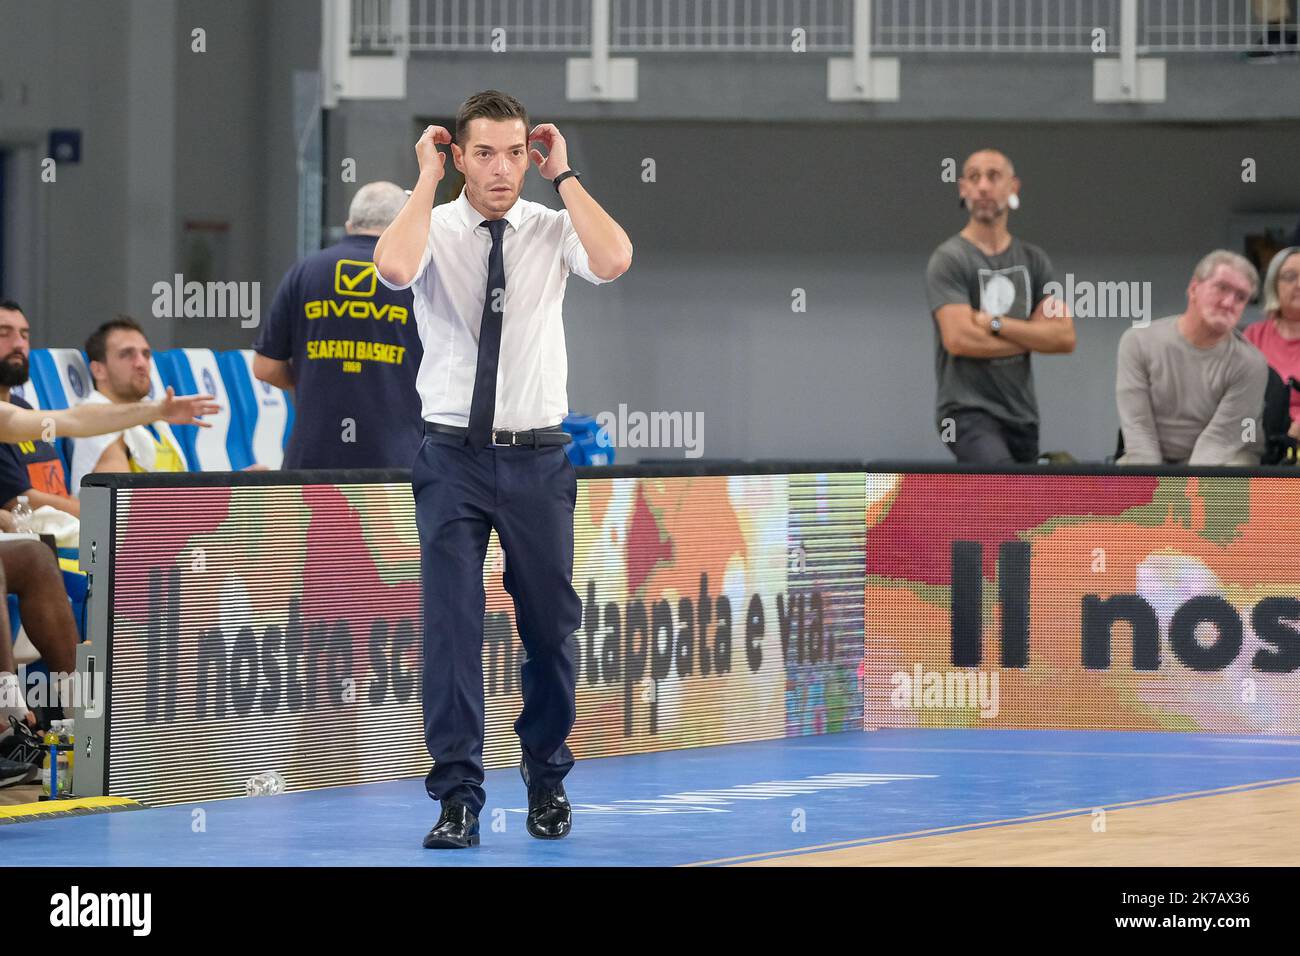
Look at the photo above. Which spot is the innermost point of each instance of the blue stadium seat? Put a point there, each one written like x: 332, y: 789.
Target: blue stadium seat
x: 60, y: 378
x: 27, y: 392
x: 263, y: 411
x: 157, y: 389
x: 221, y: 447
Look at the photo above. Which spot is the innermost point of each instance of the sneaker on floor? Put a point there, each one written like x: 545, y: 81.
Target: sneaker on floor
x: 22, y: 745
x: 13, y: 773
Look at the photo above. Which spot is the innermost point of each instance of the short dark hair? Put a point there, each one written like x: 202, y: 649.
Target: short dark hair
x: 490, y: 104
x: 10, y: 305
x: 97, y: 344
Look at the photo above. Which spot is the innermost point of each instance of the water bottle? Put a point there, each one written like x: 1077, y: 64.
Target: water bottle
x: 266, y: 784
x: 22, y: 516
x: 45, y: 768
x: 66, y: 741
x: 51, y: 784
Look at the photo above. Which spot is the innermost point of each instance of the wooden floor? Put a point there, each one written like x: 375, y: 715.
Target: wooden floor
x: 1231, y: 827
x: 24, y: 793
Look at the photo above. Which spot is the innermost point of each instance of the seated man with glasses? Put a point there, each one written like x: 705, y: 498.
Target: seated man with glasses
x: 1190, y: 388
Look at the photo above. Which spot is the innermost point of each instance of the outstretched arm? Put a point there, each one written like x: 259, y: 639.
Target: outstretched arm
x: 27, y: 424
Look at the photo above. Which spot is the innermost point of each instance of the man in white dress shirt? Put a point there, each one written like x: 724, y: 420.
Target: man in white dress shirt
x: 488, y: 273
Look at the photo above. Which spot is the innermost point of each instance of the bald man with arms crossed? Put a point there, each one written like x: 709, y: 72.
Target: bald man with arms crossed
x: 987, y: 295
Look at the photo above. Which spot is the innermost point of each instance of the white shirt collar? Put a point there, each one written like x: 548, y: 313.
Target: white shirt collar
x: 471, y: 217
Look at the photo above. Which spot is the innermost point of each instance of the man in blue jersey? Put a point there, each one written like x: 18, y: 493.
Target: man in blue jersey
x: 348, y: 348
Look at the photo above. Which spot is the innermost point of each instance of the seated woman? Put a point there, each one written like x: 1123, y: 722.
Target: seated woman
x: 1278, y: 334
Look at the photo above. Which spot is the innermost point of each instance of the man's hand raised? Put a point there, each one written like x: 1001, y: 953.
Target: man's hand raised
x: 556, y: 159
x: 433, y: 161
x: 186, y: 409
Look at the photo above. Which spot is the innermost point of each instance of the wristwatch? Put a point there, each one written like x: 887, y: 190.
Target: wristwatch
x: 995, y: 325
x: 562, y: 177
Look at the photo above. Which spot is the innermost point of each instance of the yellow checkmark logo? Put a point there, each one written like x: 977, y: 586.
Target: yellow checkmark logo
x: 354, y: 277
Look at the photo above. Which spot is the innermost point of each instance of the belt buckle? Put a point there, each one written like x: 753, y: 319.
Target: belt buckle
x: 502, y: 444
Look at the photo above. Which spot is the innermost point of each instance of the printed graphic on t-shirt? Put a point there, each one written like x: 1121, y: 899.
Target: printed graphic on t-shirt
x: 1006, y: 292
x: 355, y: 285
x: 47, y: 477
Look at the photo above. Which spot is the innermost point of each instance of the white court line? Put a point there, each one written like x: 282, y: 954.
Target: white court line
x: 1272, y: 741
x: 1074, y: 753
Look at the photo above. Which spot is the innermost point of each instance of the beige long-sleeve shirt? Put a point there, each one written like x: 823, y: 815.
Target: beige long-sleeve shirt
x: 1179, y: 404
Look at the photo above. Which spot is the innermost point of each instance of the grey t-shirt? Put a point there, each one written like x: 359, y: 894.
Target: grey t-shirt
x: 1180, y: 404
x: 1010, y: 284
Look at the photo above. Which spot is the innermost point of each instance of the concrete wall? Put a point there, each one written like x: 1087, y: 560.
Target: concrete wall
x: 169, y: 136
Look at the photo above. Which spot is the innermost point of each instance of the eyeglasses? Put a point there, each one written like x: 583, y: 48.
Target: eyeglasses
x: 1223, y: 288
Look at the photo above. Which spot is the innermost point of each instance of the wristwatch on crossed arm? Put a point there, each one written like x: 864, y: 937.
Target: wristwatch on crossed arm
x: 995, y: 325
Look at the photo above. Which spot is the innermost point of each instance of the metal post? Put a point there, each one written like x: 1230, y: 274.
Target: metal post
x: 862, y: 77
x: 600, y: 77
x: 599, y: 47
x: 335, y: 24
x: 1128, y: 63
x: 862, y: 47
x: 1126, y: 78
x: 399, y: 28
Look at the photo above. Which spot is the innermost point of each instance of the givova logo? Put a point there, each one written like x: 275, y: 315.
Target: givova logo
x: 1205, y: 631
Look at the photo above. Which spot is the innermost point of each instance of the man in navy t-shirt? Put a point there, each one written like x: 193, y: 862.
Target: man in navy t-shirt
x: 348, y: 347
x: 31, y: 468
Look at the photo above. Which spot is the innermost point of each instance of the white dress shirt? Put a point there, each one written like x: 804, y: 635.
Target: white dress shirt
x: 539, y: 249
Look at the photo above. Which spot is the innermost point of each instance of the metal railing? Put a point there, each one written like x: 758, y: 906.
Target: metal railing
x: 1216, y: 26
x: 554, y: 26
x: 945, y: 26
x: 678, y: 26
x: 988, y: 26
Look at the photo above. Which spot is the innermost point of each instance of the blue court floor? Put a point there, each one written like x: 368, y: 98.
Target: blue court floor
x: 688, y: 806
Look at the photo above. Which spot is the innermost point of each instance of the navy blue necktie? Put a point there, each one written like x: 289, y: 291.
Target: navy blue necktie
x: 483, y: 406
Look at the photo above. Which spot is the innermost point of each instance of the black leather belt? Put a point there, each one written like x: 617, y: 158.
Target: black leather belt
x: 533, y: 438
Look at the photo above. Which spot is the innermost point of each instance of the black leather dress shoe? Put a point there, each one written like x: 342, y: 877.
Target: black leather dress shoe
x: 549, y: 815
x: 456, y: 829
